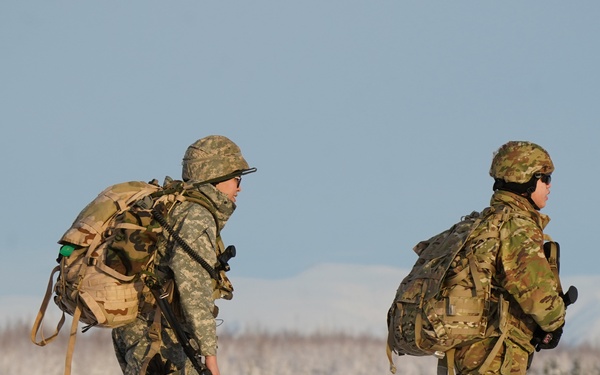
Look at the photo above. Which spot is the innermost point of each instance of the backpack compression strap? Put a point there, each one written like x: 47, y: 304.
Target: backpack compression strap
x: 446, y: 363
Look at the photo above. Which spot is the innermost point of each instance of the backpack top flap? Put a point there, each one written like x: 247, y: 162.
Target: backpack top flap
x: 92, y: 220
x: 437, y: 253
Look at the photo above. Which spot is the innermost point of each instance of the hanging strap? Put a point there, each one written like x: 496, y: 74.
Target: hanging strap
x: 446, y: 363
x: 38, y: 323
x: 503, y: 307
x: 154, y: 332
x: 72, y: 339
x: 388, y: 350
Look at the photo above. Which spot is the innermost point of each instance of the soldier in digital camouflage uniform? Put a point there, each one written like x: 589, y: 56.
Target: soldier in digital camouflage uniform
x: 522, y: 182
x: 219, y: 161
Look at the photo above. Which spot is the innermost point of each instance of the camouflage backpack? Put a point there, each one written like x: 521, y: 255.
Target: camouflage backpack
x: 108, y: 256
x: 446, y: 301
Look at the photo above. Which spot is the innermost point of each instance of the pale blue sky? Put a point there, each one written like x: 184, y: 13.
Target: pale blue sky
x: 372, y: 124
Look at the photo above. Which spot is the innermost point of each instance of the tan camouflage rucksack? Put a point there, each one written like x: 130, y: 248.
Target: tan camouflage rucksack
x: 434, y: 311
x: 108, y: 253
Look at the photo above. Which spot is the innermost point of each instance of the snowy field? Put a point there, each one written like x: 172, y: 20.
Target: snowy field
x: 262, y: 354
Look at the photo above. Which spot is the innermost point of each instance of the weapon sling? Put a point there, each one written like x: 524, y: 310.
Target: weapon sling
x: 160, y: 295
x: 195, y: 357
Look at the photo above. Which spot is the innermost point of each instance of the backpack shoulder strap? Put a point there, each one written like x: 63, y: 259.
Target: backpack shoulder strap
x: 184, y: 245
x: 182, y: 192
x: 197, y: 197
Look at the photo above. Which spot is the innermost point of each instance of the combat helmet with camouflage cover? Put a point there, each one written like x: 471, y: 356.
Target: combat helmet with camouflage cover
x: 214, y: 159
x: 518, y: 161
x: 107, y: 259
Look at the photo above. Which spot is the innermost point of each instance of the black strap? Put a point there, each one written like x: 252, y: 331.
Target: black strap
x: 193, y: 254
x: 161, y: 300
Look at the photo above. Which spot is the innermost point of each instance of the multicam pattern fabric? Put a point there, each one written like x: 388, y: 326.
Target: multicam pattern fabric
x: 518, y: 161
x: 523, y: 273
x: 212, y: 157
x: 511, y: 359
x: 523, y: 270
x: 509, y: 265
x: 195, y: 288
x: 438, y: 306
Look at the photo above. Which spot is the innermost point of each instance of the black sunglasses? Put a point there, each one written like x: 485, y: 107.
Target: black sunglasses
x: 546, y: 178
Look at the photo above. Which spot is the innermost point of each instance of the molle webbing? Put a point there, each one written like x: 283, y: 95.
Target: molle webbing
x: 115, y: 238
x: 446, y: 300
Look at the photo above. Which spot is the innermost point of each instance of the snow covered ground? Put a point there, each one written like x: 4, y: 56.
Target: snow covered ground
x: 262, y: 353
x: 336, y: 316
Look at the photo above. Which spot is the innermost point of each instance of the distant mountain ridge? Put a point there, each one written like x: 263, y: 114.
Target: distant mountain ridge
x: 355, y: 299
x: 329, y: 298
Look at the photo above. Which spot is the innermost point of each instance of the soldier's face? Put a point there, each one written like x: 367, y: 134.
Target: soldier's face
x: 540, y: 195
x: 230, y: 187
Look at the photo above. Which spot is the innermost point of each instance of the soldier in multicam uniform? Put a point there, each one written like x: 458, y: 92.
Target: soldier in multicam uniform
x: 219, y: 161
x: 522, y: 173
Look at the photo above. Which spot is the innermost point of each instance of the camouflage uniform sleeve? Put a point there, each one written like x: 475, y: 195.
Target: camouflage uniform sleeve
x: 196, y: 226
x: 527, y: 275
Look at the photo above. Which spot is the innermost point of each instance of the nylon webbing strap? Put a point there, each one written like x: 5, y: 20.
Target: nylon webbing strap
x: 503, y: 325
x: 72, y: 339
x: 446, y: 364
x: 442, y: 368
x: 37, y: 325
x: 388, y: 351
x: 552, y: 253
x: 155, y: 334
x: 476, y: 274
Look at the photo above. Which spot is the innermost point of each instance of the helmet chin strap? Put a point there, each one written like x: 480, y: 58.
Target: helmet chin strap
x: 525, y: 190
x: 530, y: 191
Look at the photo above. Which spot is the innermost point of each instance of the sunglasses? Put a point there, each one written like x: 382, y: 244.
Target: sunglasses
x: 546, y: 178
x: 238, y: 179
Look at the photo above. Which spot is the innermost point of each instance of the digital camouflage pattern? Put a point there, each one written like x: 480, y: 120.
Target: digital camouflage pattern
x: 521, y: 271
x: 131, y: 345
x: 212, y: 157
x: 110, y: 249
x: 518, y: 161
x: 196, y: 290
x: 115, y: 239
